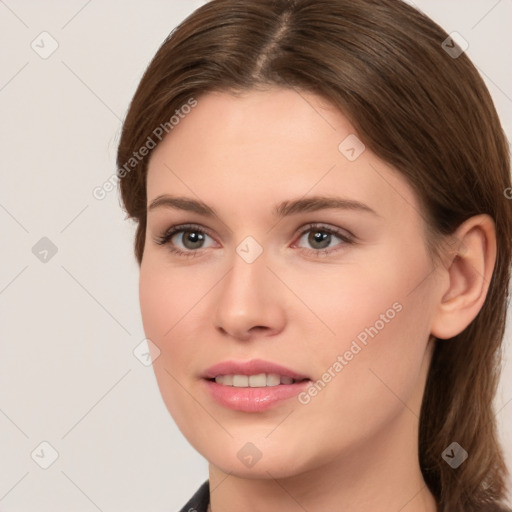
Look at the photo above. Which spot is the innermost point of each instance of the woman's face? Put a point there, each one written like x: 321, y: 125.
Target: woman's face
x: 298, y: 248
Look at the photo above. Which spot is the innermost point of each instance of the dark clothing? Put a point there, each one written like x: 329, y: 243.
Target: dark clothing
x: 199, y: 502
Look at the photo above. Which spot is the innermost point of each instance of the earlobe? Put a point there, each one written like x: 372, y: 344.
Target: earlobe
x: 469, y: 272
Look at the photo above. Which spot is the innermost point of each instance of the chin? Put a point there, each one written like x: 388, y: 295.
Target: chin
x: 255, y: 456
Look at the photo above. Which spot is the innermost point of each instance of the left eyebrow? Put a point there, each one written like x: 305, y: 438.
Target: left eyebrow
x: 284, y: 209
x: 315, y: 203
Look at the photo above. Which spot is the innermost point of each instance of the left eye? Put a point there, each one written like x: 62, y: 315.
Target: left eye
x: 321, y: 238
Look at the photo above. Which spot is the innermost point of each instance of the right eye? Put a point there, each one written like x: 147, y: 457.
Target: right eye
x: 185, y: 240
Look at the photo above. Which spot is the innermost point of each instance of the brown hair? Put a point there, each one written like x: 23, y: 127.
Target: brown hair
x: 417, y: 107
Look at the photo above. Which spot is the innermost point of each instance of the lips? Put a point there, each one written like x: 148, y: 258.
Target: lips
x: 253, y: 386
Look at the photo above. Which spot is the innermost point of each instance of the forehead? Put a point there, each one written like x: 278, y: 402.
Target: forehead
x: 267, y: 146
x: 285, y: 122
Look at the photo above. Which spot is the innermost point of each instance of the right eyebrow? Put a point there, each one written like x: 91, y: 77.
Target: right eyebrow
x: 182, y: 203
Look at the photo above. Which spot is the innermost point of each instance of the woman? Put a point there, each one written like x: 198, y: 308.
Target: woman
x: 324, y: 245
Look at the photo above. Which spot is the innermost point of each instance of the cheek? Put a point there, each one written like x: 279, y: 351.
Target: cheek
x: 379, y: 294
x: 349, y: 300
x: 172, y: 304
x: 167, y: 296
x: 379, y: 320
x: 156, y: 303
x: 165, y: 299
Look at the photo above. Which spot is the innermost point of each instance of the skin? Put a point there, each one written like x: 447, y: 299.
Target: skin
x: 354, y: 445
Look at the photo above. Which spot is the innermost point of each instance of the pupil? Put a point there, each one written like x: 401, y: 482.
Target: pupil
x: 193, y: 239
x: 319, y: 237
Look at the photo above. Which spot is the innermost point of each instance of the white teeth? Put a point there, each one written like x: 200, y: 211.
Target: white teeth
x: 226, y: 380
x: 259, y: 380
x: 240, y: 381
x: 273, y: 379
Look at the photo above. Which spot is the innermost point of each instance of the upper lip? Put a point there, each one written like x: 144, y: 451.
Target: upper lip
x: 252, y: 367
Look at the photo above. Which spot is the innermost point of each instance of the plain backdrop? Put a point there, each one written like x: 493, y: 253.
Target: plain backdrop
x: 69, y: 313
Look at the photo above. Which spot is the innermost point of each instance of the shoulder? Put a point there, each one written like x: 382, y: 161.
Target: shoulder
x: 199, y: 502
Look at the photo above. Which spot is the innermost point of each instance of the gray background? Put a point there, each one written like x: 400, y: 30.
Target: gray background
x: 69, y: 325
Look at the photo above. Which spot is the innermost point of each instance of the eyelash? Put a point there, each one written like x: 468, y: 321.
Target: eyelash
x: 165, y: 238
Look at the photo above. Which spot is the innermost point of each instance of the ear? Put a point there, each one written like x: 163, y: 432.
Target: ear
x: 467, y: 276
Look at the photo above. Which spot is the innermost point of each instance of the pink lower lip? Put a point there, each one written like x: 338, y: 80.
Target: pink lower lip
x: 253, y: 399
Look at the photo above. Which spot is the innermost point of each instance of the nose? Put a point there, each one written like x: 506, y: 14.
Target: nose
x: 250, y: 301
